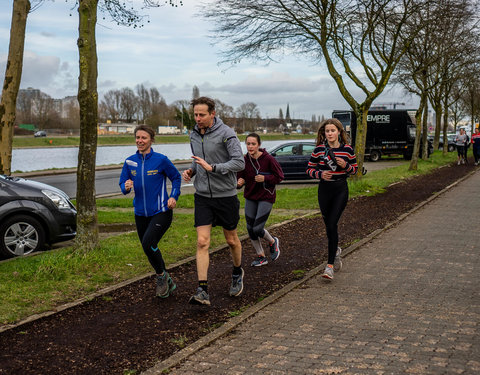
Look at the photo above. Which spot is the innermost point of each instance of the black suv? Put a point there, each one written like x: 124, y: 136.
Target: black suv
x: 33, y: 214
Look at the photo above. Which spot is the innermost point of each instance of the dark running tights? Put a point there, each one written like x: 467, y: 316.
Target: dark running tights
x: 150, y: 230
x: 332, y: 198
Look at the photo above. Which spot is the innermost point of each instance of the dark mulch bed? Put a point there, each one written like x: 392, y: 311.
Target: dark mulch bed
x: 130, y: 330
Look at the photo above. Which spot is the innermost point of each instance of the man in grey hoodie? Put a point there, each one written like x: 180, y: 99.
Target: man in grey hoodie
x: 217, y: 157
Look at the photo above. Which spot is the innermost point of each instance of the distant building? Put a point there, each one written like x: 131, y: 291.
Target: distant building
x: 116, y: 128
x: 167, y: 129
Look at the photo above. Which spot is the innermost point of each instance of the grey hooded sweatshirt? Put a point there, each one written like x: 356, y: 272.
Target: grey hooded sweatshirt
x: 219, y: 146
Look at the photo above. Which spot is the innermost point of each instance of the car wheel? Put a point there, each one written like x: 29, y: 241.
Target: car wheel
x: 21, y: 235
x: 375, y: 155
x: 451, y: 148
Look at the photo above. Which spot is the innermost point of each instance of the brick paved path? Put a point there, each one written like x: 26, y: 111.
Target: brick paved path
x: 407, y: 302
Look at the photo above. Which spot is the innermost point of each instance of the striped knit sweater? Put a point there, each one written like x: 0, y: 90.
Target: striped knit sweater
x: 317, y: 163
x: 476, y: 139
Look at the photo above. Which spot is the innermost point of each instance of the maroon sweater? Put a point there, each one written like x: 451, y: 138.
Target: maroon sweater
x: 267, y: 166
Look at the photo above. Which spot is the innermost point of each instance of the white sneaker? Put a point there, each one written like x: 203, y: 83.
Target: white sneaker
x: 328, y: 273
x: 337, y: 264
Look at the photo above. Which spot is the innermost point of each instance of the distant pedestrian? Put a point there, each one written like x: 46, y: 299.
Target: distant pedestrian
x: 146, y: 172
x: 261, y: 175
x: 217, y: 157
x: 460, y: 143
x: 476, y: 145
x: 332, y: 161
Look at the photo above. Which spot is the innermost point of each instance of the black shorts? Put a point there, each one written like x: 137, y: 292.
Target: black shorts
x: 217, y: 211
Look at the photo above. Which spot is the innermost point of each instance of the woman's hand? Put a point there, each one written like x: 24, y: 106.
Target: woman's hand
x: 128, y: 185
x: 172, y: 203
x: 341, y: 162
x: 259, y: 178
x: 327, y: 175
x: 240, y: 182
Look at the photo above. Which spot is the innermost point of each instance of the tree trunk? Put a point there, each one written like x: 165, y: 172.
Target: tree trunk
x: 418, y: 120
x: 425, y: 131
x: 11, y: 84
x: 438, y: 124
x: 445, y: 127
x: 87, y: 228
x: 361, y: 138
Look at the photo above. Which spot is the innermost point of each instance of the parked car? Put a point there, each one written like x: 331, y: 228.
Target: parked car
x: 33, y: 214
x: 451, y: 141
x: 293, y: 157
x: 40, y: 133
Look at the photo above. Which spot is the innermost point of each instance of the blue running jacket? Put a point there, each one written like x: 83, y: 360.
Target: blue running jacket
x: 149, y: 175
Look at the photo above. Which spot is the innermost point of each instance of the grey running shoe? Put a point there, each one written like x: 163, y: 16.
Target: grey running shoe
x: 237, y: 285
x: 162, y: 289
x: 260, y: 261
x: 337, y: 264
x: 328, y: 273
x: 200, y: 298
x: 275, y: 249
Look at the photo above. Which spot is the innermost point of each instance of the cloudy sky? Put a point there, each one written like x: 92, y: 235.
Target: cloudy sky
x: 172, y: 52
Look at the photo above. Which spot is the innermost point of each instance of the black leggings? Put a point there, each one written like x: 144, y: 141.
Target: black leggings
x: 150, y: 230
x: 476, y: 153
x: 332, y: 198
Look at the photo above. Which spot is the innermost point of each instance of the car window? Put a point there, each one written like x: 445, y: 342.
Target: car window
x: 308, y: 149
x: 287, y: 150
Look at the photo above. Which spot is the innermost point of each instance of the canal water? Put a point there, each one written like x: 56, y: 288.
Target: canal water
x: 36, y: 159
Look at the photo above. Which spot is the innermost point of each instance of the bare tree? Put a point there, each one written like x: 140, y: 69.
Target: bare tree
x: 144, y: 103
x: 128, y: 104
x: 223, y: 110
x: 360, y: 41
x: 11, y: 83
x: 111, y: 105
x: 249, y: 115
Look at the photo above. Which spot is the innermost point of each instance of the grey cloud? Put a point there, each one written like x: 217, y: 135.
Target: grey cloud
x: 47, y: 35
x: 275, y: 84
x: 39, y: 71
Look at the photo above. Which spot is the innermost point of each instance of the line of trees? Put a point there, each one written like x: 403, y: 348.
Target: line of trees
x: 362, y: 44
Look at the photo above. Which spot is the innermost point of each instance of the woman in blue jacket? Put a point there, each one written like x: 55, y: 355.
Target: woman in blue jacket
x: 146, y: 172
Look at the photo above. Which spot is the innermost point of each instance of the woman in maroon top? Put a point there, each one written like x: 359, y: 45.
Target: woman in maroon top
x: 262, y: 172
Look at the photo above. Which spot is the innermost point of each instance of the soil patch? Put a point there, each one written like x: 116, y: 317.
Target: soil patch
x: 129, y: 330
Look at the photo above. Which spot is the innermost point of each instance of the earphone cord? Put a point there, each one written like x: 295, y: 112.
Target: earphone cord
x: 257, y: 170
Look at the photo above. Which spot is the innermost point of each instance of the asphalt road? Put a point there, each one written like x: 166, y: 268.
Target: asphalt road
x: 106, y: 179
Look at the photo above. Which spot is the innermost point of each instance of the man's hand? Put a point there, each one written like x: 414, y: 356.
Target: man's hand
x: 240, y: 182
x: 202, y: 163
x: 187, y: 174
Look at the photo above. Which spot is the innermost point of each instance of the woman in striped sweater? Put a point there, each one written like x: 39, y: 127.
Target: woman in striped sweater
x: 331, y: 162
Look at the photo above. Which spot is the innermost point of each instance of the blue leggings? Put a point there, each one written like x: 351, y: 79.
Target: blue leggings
x: 150, y: 230
x: 332, y: 199
x: 256, y: 215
